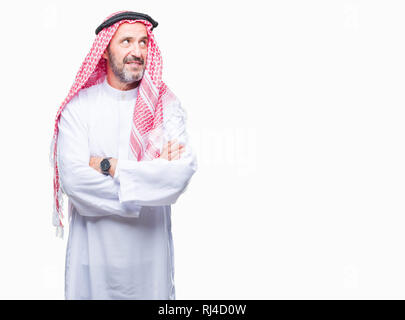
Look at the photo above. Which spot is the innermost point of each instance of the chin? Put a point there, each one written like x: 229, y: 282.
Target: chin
x: 131, y: 77
x: 138, y: 76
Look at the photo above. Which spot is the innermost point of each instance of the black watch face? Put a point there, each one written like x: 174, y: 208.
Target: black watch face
x: 105, y: 165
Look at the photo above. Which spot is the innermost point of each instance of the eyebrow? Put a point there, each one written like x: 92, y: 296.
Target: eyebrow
x: 130, y: 38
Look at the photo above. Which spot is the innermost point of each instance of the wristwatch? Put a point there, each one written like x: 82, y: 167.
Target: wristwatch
x: 105, y: 165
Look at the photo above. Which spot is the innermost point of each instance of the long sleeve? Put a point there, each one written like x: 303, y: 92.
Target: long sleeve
x: 92, y: 193
x: 159, y: 181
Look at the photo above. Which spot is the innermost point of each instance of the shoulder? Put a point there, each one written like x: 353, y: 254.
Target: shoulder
x: 174, y: 112
x: 172, y: 106
x: 90, y: 94
x: 81, y: 101
x: 174, y: 119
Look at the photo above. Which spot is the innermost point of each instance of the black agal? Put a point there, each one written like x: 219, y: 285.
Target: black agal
x: 128, y: 15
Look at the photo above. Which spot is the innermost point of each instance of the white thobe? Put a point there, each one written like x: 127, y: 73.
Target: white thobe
x: 120, y: 242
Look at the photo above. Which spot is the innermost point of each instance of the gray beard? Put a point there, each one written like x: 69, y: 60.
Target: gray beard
x: 123, y: 75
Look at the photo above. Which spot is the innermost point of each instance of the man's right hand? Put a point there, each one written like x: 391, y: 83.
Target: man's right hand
x: 172, y: 150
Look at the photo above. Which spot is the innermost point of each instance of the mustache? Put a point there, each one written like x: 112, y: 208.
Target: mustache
x: 133, y: 59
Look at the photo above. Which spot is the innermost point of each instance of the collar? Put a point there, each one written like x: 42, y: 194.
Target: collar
x: 120, y: 94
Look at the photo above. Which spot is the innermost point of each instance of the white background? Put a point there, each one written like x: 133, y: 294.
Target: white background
x: 296, y: 113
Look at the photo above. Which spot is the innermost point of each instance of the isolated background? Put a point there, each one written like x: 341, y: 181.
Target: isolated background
x: 296, y: 113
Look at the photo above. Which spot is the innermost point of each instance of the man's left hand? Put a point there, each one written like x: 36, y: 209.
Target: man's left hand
x: 95, y: 164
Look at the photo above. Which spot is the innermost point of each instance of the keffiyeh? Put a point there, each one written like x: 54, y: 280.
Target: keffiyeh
x: 146, y: 138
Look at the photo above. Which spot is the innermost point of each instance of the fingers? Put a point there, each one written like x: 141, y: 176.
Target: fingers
x: 175, y: 155
x: 172, y: 150
x: 172, y: 145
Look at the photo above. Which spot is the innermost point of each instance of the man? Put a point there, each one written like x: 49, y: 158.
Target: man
x: 121, y: 155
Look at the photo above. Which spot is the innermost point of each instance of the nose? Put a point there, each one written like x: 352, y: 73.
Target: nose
x: 136, y: 50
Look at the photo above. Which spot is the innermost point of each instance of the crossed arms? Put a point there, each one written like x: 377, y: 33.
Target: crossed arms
x: 132, y: 184
x: 171, y: 151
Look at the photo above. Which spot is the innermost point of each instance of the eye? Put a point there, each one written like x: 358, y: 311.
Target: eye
x: 126, y: 41
x: 143, y: 43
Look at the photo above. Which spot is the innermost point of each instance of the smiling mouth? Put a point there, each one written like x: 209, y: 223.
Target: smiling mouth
x: 135, y: 62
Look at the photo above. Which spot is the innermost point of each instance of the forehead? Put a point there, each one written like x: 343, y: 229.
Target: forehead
x: 137, y: 30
